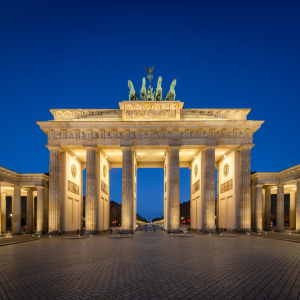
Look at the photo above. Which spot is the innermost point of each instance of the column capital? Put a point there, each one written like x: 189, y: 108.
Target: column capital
x: 268, y: 188
x: 92, y: 148
x: 127, y: 148
x: 4, y: 193
x: 208, y: 148
x: 40, y: 187
x: 292, y: 192
x: 54, y: 148
x: 174, y: 147
x: 245, y: 147
x: 258, y: 185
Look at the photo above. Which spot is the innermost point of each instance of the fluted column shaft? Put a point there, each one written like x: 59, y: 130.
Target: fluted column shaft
x: 127, y: 189
x: 46, y: 209
x: 209, y: 190
x: 54, y: 192
x: 259, y: 209
x: 245, y: 190
x: 280, y: 208
x: 91, y: 191
x: 268, y: 209
x: 3, y: 212
x: 40, y: 211
x: 298, y: 207
x: 17, y: 211
x: 29, y: 212
x: 174, y: 189
x: 292, y: 210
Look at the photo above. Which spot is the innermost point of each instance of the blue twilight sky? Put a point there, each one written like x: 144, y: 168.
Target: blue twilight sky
x: 80, y: 54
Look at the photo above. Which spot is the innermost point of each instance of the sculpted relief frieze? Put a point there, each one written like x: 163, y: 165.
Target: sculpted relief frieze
x: 155, y: 134
x: 227, y: 186
x: 151, y: 114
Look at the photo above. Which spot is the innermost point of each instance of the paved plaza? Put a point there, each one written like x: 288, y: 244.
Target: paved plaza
x: 151, y: 266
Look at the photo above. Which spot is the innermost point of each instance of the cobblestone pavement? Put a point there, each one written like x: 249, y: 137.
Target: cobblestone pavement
x: 151, y: 266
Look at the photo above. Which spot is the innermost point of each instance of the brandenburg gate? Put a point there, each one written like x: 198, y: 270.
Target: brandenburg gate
x: 150, y: 134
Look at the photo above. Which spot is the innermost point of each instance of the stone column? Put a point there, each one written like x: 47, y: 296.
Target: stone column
x: 253, y: 208
x: 174, y: 189
x: 280, y: 209
x: 40, y: 211
x: 91, y: 191
x: 3, y: 212
x: 46, y: 209
x: 268, y: 209
x: 29, y: 212
x: 218, y: 198
x: 259, y: 209
x: 81, y: 200
x: 292, y: 210
x: 127, y: 190
x: 17, y: 211
x: 54, y: 191
x: 209, y: 190
x: 245, y: 189
x: 298, y: 207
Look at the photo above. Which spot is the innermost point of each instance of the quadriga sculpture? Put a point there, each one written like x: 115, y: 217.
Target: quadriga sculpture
x: 171, y: 93
x: 144, y: 91
x: 133, y: 96
x: 158, y: 95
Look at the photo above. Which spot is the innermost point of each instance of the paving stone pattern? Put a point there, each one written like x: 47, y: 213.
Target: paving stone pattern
x: 151, y: 266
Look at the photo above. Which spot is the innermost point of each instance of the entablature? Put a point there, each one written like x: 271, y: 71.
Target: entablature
x: 24, y: 180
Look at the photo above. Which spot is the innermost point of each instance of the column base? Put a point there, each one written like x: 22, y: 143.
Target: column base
x: 209, y: 231
x: 4, y: 231
x: 259, y: 231
x: 296, y: 231
x: 173, y: 231
x: 91, y: 232
x: 126, y: 232
x: 54, y: 233
x: 38, y: 233
x: 245, y: 230
x: 279, y: 230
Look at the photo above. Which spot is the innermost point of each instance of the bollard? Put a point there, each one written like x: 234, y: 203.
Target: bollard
x: 145, y: 229
x: 154, y: 229
x: 77, y: 231
x: 111, y: 231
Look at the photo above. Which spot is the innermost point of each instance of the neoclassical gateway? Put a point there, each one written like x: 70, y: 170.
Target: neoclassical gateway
x: 151, y: 134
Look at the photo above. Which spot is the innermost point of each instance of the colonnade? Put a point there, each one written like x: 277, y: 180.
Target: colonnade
x: 261, y: 207
x: 41, y: 215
